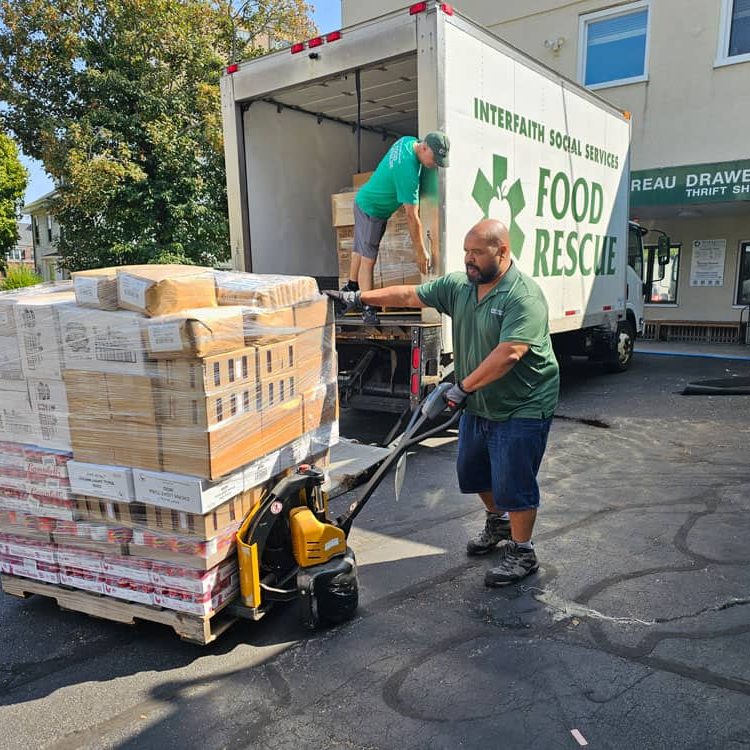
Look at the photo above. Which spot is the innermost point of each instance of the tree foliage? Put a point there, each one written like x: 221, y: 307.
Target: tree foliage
x: 119, y: 99
x: 13, y: 179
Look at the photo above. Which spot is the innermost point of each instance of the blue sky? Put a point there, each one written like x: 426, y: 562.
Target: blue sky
x: 327, y: 16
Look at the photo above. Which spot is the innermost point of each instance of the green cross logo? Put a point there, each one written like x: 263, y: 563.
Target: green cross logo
x: 485, y: 192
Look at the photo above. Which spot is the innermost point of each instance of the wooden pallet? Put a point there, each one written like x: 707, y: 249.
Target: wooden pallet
x: 193, y: 628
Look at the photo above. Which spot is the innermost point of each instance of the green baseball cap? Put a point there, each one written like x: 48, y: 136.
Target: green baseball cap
x: 440, y: 146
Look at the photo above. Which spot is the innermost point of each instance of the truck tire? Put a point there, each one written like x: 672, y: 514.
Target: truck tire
x: 622, y: 356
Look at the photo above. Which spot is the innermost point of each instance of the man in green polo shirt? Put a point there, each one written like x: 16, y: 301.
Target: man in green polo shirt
x: 507, y: 378
x: 393, y: 184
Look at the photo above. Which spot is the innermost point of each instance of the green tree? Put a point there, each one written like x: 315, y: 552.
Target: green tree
x: 13, y: 180
x: 119, y: 99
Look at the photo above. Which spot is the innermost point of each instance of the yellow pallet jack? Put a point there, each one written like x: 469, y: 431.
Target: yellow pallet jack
x: 289, y: 548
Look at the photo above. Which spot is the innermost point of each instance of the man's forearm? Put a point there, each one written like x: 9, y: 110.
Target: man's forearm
x: 494, y: 366
x: 415, y: 232
x: 395, y: 296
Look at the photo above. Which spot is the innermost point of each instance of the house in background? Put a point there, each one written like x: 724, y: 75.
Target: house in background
x: 23, y: 252
x: 45, y: 232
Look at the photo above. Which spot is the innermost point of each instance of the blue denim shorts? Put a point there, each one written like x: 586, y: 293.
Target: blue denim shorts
x: 503, y: 457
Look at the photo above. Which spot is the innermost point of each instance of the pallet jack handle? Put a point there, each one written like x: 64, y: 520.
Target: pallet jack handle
x: 431, y: 408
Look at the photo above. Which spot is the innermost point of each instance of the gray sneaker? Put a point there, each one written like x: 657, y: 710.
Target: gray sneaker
x: 516, y: 563
x: 495, y: 530
x: 369, y: 316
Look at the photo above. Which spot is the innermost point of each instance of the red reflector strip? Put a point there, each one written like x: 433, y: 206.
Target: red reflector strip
x: 415, y: 384
x: 334, y: 36
x: 233, y: 68
x: 606, y: 308
x: 447, y: 8
x: 417, y: 8
x: 416, y: 358
x: 299, y: 47
x: 316, y: 42
x: 568, y: 313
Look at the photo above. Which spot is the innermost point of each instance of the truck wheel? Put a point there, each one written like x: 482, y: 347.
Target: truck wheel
x: 622, y: 356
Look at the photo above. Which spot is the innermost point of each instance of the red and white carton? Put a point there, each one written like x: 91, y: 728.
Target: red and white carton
x: 122, y: 588
x: 29, y: 549
x: 129, y: 568
x: 167, y: 576
x: 41, y: 462
x: 47, y: 489
x: 82, y: 579
x: 39, y: 571
x: 12, y: 456
x: 184, y: 544
x: 202, y: 605
x: 80, y: 559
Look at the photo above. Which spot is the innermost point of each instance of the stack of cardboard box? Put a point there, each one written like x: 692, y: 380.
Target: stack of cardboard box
x: 143, y: 411
x: 395, y: 264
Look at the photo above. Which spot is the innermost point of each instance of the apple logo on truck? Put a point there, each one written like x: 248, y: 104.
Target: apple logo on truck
x: 485, y: 191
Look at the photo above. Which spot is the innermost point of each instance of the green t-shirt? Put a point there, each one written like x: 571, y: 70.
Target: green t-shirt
x: 394, y: 183
x: 515, y: 310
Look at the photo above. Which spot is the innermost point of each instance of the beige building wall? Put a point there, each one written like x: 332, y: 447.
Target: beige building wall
x: 690, y: 110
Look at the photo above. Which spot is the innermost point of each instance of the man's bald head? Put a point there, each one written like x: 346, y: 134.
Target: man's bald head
x: 486, y: 251
x: 491, y: 232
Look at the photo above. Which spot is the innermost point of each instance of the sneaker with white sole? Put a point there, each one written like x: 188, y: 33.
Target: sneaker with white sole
x: 516, y: 563
x: 496, y: 530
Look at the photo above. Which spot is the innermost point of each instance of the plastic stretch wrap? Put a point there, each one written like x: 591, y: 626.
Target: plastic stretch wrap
x: 143, y: 408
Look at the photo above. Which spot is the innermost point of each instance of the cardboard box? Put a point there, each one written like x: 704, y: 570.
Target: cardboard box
x: 110, y: 511
x: 342, y: 209
x: 10, y: 362
x: 50, y: 404
x: 191, y: 409
x: 116, y: 443
x: 360, y: 178
x: 215, y: 452
x: 235, y: 369
x: 195, y: 333
x: 103, y: 341
x: 263, y: 291
x: 38, y: 331
x: 277, y: 390
x: 278, y: 358
x: 320, y: 406
x: 313, y: 314
x: 186, y: 494
x: 282, y: 424
x: 101, y: 481
x: 261, y: 325
x: 97, y: 287
x: 18, y: 421
x: 161, y: 290
x: 316, y: 357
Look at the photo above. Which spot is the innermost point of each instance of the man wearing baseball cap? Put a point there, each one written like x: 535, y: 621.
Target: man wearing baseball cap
x: 393, y: 184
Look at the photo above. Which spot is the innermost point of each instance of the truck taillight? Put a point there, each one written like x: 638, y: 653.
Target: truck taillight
x: 315, y: 42
x: 447, y: 8
x: 334, y: 36
x: 299, y: 47
x: 233, y: 68
x: 415, y: 384
x: 416, y: 358
x: 417, y: 8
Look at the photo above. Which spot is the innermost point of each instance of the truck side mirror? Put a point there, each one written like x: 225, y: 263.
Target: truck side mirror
x: 663, y: 249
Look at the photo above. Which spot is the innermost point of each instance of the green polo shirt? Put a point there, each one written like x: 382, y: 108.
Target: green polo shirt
x: 394, y: 183
x: 515, y: 310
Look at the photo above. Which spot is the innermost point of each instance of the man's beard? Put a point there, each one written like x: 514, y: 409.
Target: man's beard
x: 482, y: 277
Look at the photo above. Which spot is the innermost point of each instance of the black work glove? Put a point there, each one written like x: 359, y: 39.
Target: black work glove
x: 344, y: 302
x: 455, y: 396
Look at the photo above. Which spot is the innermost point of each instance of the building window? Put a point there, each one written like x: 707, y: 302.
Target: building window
x: 664, y: 291
x: 49, y: 228
x: 16, y: 253
x: 35, y: 223
x: 743, y: 282
x: 613, y: 46
x: 734, y: 36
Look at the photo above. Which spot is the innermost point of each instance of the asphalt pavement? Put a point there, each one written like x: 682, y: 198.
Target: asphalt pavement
x: 635, y: 633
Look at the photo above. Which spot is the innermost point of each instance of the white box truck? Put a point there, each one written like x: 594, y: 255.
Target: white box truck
x: 528, y: 146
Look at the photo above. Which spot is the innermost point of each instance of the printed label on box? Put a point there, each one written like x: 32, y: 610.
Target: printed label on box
x: 132, y: 290
x: 87, y: 290
x: 164, y: 337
